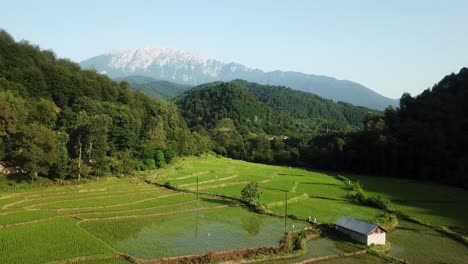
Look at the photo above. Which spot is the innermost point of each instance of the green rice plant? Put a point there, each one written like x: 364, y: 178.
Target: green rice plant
x: 155, y: 201
x: 24, y: 216
x: 328, y: 211
x: 161, y: 209
x: 100, y: 201
x: 112, y: 260
x: 52, y: 240
x: 7, y: 201
x: 62, y: 197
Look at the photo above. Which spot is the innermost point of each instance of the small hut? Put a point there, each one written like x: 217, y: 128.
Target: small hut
x: 362, y: 231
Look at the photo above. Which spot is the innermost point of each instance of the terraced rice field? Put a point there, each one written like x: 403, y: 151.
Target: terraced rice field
x: 323, y: 197
x: 441, y: 205
x: 100, y: 221
x: 309, y: 193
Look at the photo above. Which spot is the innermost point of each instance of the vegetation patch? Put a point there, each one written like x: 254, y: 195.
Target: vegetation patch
x: 48, y: 241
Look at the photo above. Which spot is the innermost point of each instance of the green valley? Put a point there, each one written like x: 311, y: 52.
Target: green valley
x: 159, y: 214
x: 162, y: 156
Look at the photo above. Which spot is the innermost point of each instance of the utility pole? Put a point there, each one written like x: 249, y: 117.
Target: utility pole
x: 196, y: 225
x: 197, y: 191
x: 285, y: 212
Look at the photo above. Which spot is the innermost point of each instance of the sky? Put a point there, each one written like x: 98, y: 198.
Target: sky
x: 391, y: 47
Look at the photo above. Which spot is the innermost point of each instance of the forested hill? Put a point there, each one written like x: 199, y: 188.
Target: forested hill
x: 273, y: 110
x: 155, y: 88
x: 425, y: 138
x: 303, y: 105
x: 59, y: 121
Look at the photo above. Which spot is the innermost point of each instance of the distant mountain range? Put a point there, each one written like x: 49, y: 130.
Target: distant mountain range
x: 155, y: 88
x: 180, y: 66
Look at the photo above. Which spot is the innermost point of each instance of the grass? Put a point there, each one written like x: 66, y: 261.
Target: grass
x: 436, y: 204
x: 329, y: 211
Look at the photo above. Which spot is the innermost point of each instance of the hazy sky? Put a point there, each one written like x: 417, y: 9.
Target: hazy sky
x: 390, y: 46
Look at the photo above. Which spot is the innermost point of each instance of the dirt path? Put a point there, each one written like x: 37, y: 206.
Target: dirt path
x: 190, y: 176
x: 209, y: 181
x: 116, y: 205
x: 85, y: 199
x: 292, y: 200
x: 6, y: 206
x: 29, y: 222
x: 229, y: 184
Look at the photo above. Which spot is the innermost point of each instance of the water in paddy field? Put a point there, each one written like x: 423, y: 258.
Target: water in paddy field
x: 327, y: 247
x: 419, y: 244
x: 412, y: 242
x: 196, y: 233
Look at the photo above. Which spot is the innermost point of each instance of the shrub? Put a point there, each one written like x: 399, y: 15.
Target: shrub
x: 388, y: 220
x: 357, y: 195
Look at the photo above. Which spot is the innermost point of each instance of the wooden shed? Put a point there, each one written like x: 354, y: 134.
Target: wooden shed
x: 362, y: 231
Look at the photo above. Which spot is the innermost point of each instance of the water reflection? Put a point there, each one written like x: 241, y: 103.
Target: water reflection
x: 189, y: 233
x: 252, y: 224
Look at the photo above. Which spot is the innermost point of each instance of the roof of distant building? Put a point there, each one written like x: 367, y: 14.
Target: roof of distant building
x: 356, y: 225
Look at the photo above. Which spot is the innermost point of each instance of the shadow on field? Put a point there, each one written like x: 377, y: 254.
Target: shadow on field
x: 428, y: 201
x: 287, y: 174
x: 217, y: 200
x: 18, y: 178
x: 274, y: 189
x: 317, y: 183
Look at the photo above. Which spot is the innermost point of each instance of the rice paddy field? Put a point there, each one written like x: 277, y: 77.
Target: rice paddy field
x: 324, y: 197
x: 440, y: 205
x: 97, y: 222
x: 101, y: 221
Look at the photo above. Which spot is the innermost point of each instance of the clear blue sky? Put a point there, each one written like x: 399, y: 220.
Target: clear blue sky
x: 390, y: 46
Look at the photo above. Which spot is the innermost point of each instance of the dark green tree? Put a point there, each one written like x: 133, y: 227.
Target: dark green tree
x: 251, y: 193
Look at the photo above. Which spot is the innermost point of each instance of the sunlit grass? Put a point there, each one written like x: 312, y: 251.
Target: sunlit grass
x: 48, y: 241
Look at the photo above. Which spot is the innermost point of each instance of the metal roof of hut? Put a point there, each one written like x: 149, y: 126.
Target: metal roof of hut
x: 356, y: 225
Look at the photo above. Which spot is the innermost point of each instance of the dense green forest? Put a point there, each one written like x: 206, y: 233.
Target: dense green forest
x: 425, y: 138
x: 59, y: 121
x: 263, y: 123
x: 155, y: 88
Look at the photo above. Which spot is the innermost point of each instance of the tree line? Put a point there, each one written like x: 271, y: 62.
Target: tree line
x: 263, y: 123
x: 59, y: 121
x: 425, y: 138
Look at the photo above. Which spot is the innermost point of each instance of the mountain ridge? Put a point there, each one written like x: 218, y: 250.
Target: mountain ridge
x: 154, y: 88
x: 181, y: 66
x: 275, y: 110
